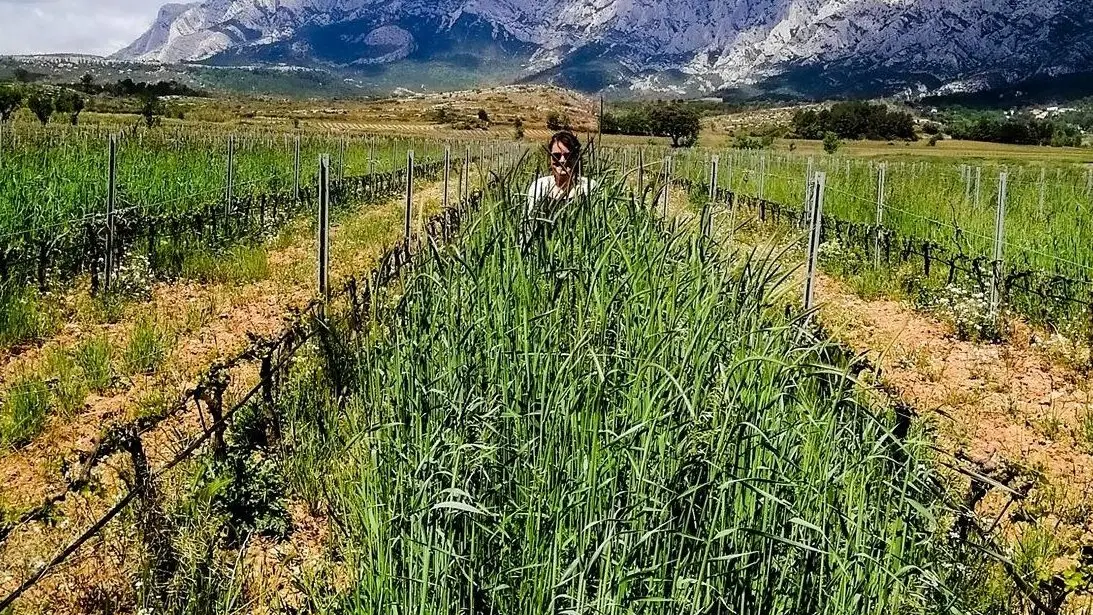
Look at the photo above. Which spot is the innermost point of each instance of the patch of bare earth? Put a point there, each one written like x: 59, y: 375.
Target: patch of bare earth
x: 102, y: 572
x: 1004, y: 407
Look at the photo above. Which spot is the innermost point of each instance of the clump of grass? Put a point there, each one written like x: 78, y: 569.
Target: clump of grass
x: 155, y: 404
x: 23, y: 317
x: 24, y: 411
x: 95, y: 358
x: 70, y: 387
x: 238, y: 265
x: 108, y: 308
x: 1085, y: 426
x: 147, y: 349
x: 197, y: 316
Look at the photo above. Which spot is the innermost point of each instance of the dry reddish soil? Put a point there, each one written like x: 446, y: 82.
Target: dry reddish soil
x: 102, y: 570
x: 997, y: 405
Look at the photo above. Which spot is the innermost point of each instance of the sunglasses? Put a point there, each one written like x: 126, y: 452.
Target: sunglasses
x: 556, y: 157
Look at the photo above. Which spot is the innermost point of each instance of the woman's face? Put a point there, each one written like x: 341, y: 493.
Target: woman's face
x: 560, y: 163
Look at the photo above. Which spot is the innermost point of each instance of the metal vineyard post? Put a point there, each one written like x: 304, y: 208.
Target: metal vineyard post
x: 815, y: 219
x: 296, y: 170
x: 808, y: 189
x: 111, y: 193
x: 447, y: 172
x: 229, y: 179
x: 762, y: 177
x: 324, y: 227
x: 978, y: 184
x: 409, y: 192
x: 881, y: 178
x: 999, y: 236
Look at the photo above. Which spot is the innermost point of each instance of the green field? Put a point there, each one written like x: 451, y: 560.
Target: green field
x: 171, y: 198
x: 601, y: 412
x: 596, y: 408
x: 939, y: 211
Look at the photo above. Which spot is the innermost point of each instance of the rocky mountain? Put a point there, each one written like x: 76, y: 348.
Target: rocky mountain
x: 810, y: 46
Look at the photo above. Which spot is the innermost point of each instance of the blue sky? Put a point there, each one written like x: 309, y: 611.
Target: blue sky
x: 84, y: 26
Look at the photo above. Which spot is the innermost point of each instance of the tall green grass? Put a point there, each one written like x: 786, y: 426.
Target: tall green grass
x: 606, y: 415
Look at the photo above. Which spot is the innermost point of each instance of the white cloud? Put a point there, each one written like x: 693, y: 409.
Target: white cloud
x: 76, y: 26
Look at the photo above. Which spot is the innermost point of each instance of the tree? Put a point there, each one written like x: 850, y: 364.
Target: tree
x: 831, y: 142
x: 152, y: 110
x: 88, y: 82
x: 855, y: 120
x: 41, y: 103
x: 557, y: 121
x: 677, y: 121
x: 71, y: 103
x: 11, y: 98
x: 519, y: 126
x: 483, y: 116
x: 23, y: 75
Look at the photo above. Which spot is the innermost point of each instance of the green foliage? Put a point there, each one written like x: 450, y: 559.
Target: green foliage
x: 483, y: 116
x: 443, y: 114
x: 746, y: 142
x: 934, y: 140
x: 635, y: 449
x: 42, y: 104
x: 247, y: 487
x: 23, y: 316
x: 23, y: 414
x: 11, y: 98
x: 147, y: 349
x: 242, y: 264
x: 1017, y: 130
x: 855, y: 120
x: 69, y: 385
x: 152, y: 109
x: 557, y: 121
x: 72, y: 103
x: 633, y: 121
x: 207, y: 580
x: 678, y: 121
x: 95, y: 357
x: 831, y: 143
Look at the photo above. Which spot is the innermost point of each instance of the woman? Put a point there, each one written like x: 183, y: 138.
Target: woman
x: 564, y: 182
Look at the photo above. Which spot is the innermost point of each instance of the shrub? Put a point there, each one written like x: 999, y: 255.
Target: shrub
x: 11, y: 98
x: 831, y: 143
x: 557, y: 121
x: 41, y: 104
x: 747, y: 143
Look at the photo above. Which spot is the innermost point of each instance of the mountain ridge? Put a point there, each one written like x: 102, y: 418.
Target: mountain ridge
x: 674, y: 46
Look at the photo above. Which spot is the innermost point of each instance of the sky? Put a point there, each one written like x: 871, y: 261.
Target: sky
x: 76, y: 26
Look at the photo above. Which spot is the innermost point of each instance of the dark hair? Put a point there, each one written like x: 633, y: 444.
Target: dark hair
x: 571, y: 143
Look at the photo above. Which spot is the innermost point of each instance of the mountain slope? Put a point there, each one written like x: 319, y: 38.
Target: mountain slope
x: 700, y: 45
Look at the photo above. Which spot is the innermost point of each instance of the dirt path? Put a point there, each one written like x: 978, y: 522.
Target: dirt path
x: 1001, y: 405
x: 208, y: 322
